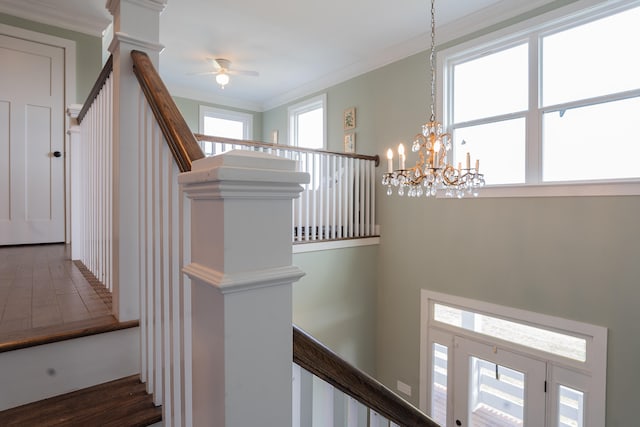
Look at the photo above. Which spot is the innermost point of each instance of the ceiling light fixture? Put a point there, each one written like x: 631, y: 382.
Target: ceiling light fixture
x: 432, y: 173
x: 222, y: 78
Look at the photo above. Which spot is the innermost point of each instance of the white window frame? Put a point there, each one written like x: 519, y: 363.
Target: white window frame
x: 575, y: 14
x: 592, y: 372
x: 219, y: 113
x: 293, y: 111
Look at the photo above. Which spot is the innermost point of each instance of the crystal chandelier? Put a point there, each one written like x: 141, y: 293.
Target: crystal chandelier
x: 432, y: 173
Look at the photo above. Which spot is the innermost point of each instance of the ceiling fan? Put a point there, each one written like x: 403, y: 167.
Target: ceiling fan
x: 223, y: 70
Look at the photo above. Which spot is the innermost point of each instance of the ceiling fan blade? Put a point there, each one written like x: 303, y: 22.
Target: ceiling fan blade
x: 220, y: 63
x: 243, y: 72
x: 204, y: 73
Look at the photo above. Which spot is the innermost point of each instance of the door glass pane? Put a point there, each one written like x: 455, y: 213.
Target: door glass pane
x: 439, y: 384
x: 496, y: 395
x: 500, y: 147
x: 491, y: 85
x: 571, y: 407
x: 614, y: 40
x: 594, y: 142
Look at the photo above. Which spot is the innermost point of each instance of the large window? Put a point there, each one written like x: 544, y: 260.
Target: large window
x: 225, y: 124
x: 555, y: 104
x: 307, y: 123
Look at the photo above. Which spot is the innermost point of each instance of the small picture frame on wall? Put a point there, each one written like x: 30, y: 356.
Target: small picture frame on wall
x: 349, y: 118
x: 350, y: 142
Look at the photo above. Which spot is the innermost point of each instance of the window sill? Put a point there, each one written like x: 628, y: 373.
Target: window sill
x: 326, y: 245
x: 561, y: 190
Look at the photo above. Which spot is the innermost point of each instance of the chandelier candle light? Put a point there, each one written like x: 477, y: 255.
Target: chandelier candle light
x: 431, y: 172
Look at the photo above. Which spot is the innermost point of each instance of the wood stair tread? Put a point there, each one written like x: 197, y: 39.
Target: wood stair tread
x: 49, y: 334
x: 123, y: 402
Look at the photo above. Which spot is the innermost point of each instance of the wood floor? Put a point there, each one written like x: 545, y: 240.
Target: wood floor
x: 43, y: 292
x: 120, y: 403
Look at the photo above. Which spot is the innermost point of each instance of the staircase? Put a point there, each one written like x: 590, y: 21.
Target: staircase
x: 88, y: 364
x: 76, y: 377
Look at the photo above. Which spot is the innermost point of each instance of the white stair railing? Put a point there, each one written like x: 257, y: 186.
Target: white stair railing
x: 337, y: 203
x: 317, y: 403
x: 164, y: 299
x: 92, y: 182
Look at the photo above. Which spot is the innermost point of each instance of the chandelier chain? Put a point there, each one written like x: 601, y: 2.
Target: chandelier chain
x: 432, y: 60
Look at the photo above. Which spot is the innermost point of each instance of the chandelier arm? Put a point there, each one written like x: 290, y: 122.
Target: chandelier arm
x: 451, y: 170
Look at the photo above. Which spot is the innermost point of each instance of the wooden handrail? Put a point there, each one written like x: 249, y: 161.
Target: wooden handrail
x: 328, y: 366
x: 201, y: 137
x: 97, y: 86
x: 181, y: 141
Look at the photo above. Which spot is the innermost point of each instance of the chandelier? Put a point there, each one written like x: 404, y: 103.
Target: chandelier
x: 432, y: 173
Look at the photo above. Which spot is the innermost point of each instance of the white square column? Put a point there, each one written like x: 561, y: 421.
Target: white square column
x: 241, y: 272
x: 136, y: 25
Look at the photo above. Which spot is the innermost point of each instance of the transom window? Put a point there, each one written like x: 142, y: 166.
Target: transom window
x: 553, y: 105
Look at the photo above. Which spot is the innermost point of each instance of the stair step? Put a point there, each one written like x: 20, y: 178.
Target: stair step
x: 67, y: 331
x: 123, y: 403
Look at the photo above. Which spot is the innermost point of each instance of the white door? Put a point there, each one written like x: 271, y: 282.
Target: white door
x: 495, y: 387
x: 31, y: 142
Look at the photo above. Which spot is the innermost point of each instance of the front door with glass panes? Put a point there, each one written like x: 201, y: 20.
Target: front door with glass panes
x: 488, y: 365
x: 495, y: 387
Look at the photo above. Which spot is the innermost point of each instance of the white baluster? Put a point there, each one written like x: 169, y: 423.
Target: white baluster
x: 357, y: 199
x: 322, y: 403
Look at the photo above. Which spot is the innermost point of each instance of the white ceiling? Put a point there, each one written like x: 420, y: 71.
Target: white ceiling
x: 297, y: 46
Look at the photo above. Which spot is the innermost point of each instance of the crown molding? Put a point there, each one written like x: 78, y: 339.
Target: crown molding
x: 46, y: 13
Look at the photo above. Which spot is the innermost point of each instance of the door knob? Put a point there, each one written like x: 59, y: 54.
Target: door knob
x: 57, y: 154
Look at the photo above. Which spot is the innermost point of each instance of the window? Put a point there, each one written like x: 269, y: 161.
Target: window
x: 307, y: 123
x: 552, y: 105
x: 223, y: 123
x: 481, y: 361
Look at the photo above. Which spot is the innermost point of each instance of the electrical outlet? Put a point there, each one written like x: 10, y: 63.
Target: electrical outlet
x: 404, y: 388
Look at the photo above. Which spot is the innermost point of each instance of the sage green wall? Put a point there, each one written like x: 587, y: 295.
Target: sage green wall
x: 190, y: 109
x: 575, y: 258
x: 88, y: 52
x: 570, y: 257
x: 335, y: 301
x: 276, y: 119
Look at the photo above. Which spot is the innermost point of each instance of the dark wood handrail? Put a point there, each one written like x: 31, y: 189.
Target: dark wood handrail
x: 181, y: 140
x: 201, y: 137
x: 97, y: 86
x: 328, y: 366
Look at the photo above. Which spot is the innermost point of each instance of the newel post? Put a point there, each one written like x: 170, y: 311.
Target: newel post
x: 136, y: 25
x: 241, y: 273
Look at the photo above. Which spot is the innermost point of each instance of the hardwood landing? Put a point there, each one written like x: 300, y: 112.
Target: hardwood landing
x: 121, y: 403
x: 46, y: 297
